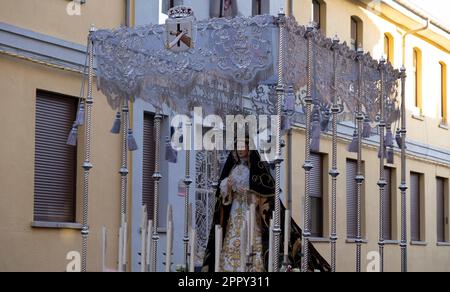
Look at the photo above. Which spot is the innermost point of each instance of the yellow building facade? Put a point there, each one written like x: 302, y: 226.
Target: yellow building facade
x: 42, y: 46
x: 428, y: 136
x: 42, y: 50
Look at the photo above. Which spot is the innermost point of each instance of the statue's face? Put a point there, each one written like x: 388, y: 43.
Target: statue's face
x: 243, y: 154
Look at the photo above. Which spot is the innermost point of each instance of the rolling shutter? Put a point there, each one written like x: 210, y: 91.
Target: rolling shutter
x: 148, y: 167
x: 316, y: 195
x: 415, y: 207
x: 387, y: 222
x: 55, y: 162
x: 351, y: 199
x: 440, y: 210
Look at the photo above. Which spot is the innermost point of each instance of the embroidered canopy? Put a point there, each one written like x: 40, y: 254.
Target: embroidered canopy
x: 231, y: 65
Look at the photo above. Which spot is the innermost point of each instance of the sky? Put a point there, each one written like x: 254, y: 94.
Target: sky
x: 440, y: 9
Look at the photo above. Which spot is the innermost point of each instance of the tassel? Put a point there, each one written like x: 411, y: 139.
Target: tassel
x: 132, y: 145
x: 398, y: 139
x: 289, y: 101
x: 315, y: 145
x: 286, y: 124
x: 367, y: 129
x: 171, y: 154
x: 73, y: 135
x: 116, y: 125
x: 389, y: 139
x: 390, y: 155
x: 80, y: 114
x: 353, y: 147
x: 315, y: 135
x: 325, y: 122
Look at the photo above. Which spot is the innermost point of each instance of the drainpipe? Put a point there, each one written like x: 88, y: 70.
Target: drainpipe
x: 403, y: 186
x: 128, y: 13
x: 412, y: 32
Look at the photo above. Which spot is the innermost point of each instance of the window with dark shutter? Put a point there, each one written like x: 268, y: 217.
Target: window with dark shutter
x: 441, y: 210
x: 415, y: 207
x: 261, y: 7
x: 168, y: 4
x: 351, y: 199
x: 356, y: 31
x: 316, y: 195
x: 148, y: 167
x: 55, y: 162
x: 387, y: 222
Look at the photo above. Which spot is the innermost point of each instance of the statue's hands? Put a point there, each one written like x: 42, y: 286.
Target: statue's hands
x: 241, y: 189
x: 230, y: 183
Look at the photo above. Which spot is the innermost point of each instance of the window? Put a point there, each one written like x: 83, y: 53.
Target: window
x: 55, y: 161
x: 316, y: 195
x: 388, y: 204
x: 356, y: 32
x: 417, y: 67
x: 258, y: 7
x: 148, y: 164
x: 261, y: 7
x: 389, y: 47
x: 223, y: 8
x: 316, y: 11
x: 416, y: 207
x: 352, y: 196
x: 444, y: 115
x: 442, y: 209
x: 319, y: 14
x: 168, y: 4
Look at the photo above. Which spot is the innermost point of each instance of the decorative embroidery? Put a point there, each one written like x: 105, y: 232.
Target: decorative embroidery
x: 230, y: 260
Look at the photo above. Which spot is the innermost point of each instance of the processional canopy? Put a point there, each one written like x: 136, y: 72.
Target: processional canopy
x: 224, y: 64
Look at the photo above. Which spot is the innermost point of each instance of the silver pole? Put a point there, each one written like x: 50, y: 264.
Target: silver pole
x: 359, y: 175
x: 308, y: 166
x: 157, y: 177
x: 87, y: 165
x: 334, y: 173
x: 280, y: 94
x: 187, y: 182
x: 123, y: 171
x: 215, y: 170
x: 403, y: 185
x: 382, y: 182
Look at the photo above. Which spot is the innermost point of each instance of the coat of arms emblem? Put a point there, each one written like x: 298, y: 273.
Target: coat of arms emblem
x: 180, y: 29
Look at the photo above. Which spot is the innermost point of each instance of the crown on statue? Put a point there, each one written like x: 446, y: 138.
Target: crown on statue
x: 180, y: 12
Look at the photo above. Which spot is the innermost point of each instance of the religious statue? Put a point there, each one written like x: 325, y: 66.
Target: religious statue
x: 246, y: 182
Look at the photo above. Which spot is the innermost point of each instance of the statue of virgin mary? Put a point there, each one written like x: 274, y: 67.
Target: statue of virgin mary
x: 246, y: 180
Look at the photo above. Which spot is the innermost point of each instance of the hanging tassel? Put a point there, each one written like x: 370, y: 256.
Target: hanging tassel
x: 289, y: 101
x: 116, y: 125
x: 73, y: 135
x: 389, y: 139
x: 353, y: 147
x: 398, y: 138
x: 325, y: 122
x: 80, y: 114
x: 132, y: 145
x: 390, y: 155
x: 171, y: 154
x: 315, y: 134
x: 286, y: 124
x: 367, y: 129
